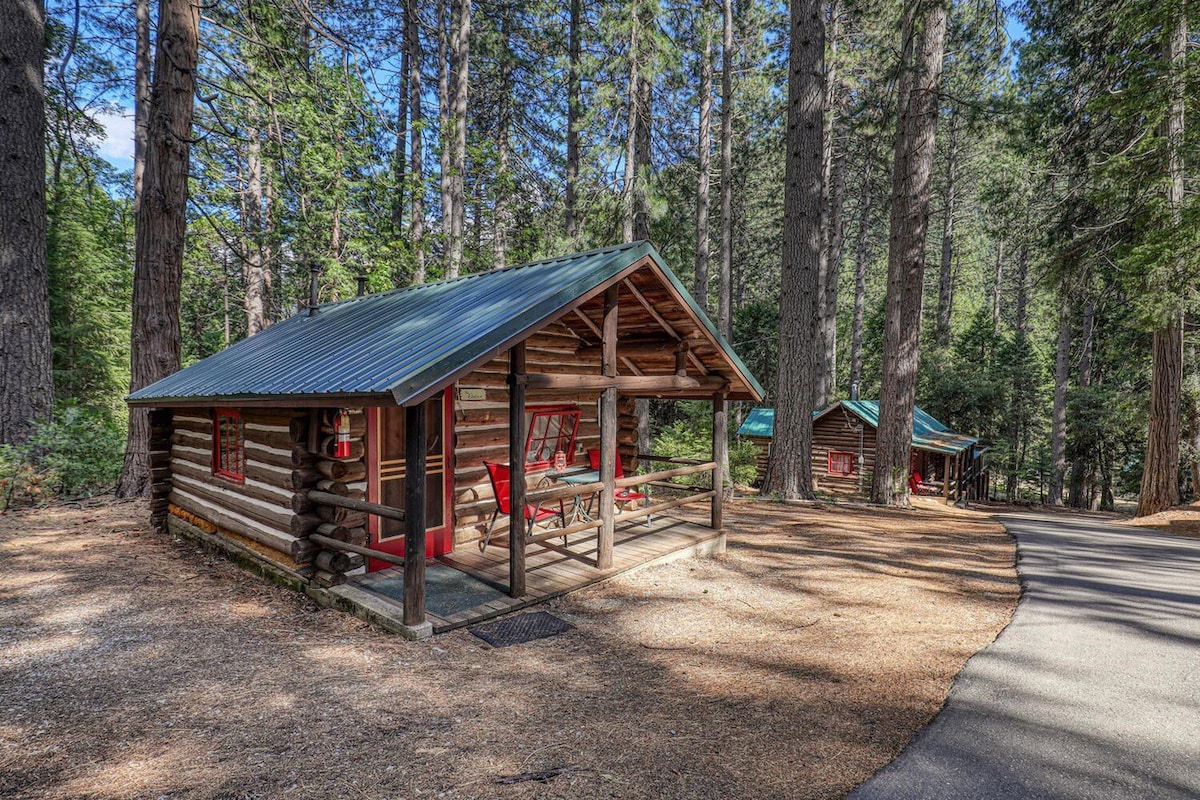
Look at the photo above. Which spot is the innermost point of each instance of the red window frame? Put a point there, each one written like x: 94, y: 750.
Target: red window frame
x: 840, y: 463
x: 562, y: 440
x: 229, y: 445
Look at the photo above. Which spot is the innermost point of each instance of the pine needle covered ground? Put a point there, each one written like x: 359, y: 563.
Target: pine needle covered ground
x: 134, y: 665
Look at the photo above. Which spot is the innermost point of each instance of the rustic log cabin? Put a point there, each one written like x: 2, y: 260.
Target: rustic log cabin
x: 944, y: 463
x: 371, y: 452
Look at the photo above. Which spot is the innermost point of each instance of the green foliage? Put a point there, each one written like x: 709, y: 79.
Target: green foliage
x: 690, y: 436
x: 78, y: 453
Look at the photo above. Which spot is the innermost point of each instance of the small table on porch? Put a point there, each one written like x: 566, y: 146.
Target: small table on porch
x: 580, y: 512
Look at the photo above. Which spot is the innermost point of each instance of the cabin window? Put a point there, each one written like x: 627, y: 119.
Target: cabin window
x: 229, y: 445
x: 841, y: 463
x: 551, y: 430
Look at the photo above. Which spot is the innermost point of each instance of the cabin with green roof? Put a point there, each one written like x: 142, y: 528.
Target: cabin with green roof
x: 944, y: 463
x: 369, y: 451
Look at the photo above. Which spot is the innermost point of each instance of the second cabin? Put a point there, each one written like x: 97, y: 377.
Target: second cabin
x: 944, y: 463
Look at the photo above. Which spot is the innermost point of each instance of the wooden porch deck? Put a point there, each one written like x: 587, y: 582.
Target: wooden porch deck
x: 549, y: 572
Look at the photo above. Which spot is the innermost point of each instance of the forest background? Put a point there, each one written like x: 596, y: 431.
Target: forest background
x: 407, y: 142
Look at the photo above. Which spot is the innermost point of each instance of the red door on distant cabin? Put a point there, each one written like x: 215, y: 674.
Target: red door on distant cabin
x: 386, y: 478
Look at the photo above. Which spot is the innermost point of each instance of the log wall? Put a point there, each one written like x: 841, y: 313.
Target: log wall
x: 256, y: 511
x: 833, y: 432
x: 481, y: 425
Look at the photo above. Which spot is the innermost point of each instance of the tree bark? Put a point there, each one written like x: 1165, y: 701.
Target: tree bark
x: 501, y: 219
x: 445, y: 130
x: 141, y: 97
x: 725, y: 282
x: 416, y: 222
x: 254, y: 271
x: 862, y: 256
x: 627, y: 188
x: 399, y: 154
x: 789, y: 468
x: 460, y: 51
x: 574, y: 112
x: 1160, y: 470
x: 703, y: 153
x: 161, y: 225
x: 946, y: 275
x: 997, y: 286
x: 825, y: 331
x: 1082, y: 461
x: 1018, y: 412
x: 923, y: 34
x: 25, y: 356
x: 1058, y: 413
x: 829, y: 292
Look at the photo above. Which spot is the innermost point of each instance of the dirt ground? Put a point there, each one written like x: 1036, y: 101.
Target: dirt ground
x: 1182, y: 520
x: 135, y: 665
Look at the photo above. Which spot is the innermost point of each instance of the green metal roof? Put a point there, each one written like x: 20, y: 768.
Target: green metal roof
x: 406, y: 344
x: 928, y: 433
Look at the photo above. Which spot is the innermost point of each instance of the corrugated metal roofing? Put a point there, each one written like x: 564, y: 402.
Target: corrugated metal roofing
x: 407, y: 342
x: 928, y: 433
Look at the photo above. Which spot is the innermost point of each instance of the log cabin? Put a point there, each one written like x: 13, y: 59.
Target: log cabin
x: 944, y: 463
x: 355, y: 438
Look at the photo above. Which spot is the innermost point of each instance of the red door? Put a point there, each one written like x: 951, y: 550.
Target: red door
x: 386, y: 478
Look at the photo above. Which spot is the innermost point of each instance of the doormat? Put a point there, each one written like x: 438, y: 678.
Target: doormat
x: 521, y: 628
x: 447, y: 590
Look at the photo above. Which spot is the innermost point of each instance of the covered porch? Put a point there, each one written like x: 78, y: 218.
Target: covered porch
x: 468, y: 586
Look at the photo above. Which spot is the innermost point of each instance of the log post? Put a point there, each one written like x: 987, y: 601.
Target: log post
x: 608, y: 432
x: 946, y: 479
x: 414, y: 538
x: 720, y: 457
x: 516, y: 465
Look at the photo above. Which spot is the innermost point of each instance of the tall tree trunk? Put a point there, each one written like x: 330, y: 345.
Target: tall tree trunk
x: 946, y: 276
x: 416, y: 222
x: 254, y: 271
x: 641, y: 155
x: 923, y: 34
x: 997, y: 286
x: 25, y: 355
x: 703, y: 153
x: 501, y: 219
x: 789, y: 469
x: 627, y: 188
x: 1082, y: 462
x: 1018, y: 412
x: 460, y: 52
x: 829, y: 292
x: 824, y: 330
x: 1160, y: 470
x: 399, y: 156
x: 161, y: 225
x: 141, y: 96
x: 1192, y: 413
x: 862, y: 262
x: 725, y: 282
x: 574, y: 112
x: 445, y: 129
x: 1058, y: 413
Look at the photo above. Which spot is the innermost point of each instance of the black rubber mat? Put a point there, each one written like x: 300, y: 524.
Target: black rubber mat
x: 447, y: 591
x: 521, y: 628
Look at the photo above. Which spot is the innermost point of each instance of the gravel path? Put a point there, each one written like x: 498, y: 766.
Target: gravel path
x: 1093, y: 690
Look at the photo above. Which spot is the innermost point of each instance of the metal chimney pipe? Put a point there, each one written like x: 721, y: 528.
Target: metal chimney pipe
x: 854, y: 391
x: 362, y: 285
x: 314, y: 289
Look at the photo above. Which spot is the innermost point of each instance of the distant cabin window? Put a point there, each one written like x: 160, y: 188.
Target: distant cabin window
x: 551, y: 430
x: 229, y: 445
x: 841, y: 463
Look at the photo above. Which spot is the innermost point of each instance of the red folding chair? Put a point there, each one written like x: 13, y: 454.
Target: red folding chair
x: 918, y: 486
x: 624, y: 495
x: 501, y: 478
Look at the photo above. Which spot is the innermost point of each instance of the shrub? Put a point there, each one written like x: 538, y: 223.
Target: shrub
x: 691, y: 437
x: 79, y: 453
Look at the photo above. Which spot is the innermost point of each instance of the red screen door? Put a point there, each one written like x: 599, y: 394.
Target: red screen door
x: 387, y: 479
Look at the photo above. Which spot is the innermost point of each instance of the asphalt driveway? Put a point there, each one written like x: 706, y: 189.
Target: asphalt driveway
x: 1092, y: 691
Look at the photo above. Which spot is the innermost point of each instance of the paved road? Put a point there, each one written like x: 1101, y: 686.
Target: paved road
x: 1092, y: 691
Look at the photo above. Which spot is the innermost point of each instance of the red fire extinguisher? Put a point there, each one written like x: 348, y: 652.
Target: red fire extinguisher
x: 341, y: 427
